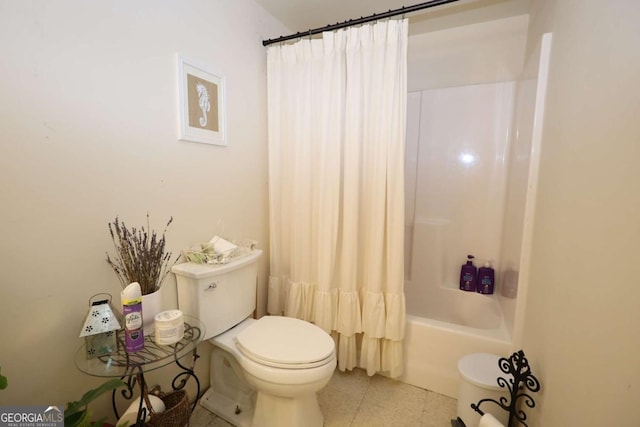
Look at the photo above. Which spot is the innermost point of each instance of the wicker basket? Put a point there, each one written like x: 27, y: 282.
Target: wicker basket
x: 177, y: 410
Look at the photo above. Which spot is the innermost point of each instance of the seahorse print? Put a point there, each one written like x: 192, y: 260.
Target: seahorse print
x: 203, y: 102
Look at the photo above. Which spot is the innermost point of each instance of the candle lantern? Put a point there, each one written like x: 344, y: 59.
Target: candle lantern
x: 100, y: 326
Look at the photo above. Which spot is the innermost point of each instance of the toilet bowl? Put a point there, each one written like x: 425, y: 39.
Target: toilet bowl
x: 287, y: 361
x: 264, y: 372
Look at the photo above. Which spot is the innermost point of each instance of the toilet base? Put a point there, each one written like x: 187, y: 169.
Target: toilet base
x: 226, y: 408
x: 275, y: 411
x: 229, y: 397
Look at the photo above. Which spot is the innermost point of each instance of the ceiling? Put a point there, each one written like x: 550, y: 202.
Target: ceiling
x: 302, y: 15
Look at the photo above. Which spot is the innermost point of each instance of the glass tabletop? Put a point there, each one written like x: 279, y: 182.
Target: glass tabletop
x: 152, y: 356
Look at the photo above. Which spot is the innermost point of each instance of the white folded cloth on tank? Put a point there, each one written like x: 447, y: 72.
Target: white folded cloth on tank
x: 222, y: 246
x: 219, y: 251
x: 489, y: 420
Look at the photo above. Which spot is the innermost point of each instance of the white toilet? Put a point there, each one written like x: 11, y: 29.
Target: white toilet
x: 265, y: 372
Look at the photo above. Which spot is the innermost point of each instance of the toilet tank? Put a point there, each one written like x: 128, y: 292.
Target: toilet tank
x: 221, y: 295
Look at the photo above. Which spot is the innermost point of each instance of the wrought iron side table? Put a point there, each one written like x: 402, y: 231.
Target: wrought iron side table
x: 131, y: 367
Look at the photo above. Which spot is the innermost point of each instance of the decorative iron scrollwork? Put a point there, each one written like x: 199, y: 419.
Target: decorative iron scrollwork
x: 520, y: 382
x: 180, y: 380
x: 134, y: 365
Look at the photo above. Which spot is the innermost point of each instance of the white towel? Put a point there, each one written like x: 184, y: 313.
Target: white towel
x: 489, y: 420
x: 222, y: 246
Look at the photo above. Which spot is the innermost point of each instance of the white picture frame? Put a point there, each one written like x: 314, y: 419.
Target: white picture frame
x: 202, y: 104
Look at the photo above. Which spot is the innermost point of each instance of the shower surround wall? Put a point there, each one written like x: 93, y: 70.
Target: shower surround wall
x: 461, y: 176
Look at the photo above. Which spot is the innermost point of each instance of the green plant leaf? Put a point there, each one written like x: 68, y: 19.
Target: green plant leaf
x: 76, y: 419
x: 3, y: 381
x: 84, y: 421
x: 100, y: 422
x: 78, y: 406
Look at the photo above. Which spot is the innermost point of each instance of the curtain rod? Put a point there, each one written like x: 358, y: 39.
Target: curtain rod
x: 361, y: 20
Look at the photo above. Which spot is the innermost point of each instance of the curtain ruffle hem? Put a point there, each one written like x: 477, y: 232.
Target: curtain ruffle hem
x: 379, y: 326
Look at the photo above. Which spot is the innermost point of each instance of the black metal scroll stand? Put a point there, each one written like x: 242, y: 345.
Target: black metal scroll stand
x: 521, y: 380
x: 135, y: 371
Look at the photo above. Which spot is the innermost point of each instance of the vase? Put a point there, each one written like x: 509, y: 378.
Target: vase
x: 151, y: 305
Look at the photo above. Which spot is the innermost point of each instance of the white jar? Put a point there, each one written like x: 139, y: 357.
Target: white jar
x: 169, y: 327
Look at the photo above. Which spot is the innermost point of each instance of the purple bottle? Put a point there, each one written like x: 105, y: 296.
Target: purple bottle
x: 486, y: 279
x: 468, y: 275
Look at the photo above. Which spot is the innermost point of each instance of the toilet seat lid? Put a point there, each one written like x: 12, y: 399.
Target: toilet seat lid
x: 285, y: 342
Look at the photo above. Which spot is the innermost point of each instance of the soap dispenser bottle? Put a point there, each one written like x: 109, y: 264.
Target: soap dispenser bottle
x: 468, y: 275
x: 486, y: 279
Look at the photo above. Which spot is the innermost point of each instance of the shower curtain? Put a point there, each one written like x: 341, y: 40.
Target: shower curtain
x: 336, y: 108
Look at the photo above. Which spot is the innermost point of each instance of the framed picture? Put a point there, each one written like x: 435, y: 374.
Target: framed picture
x: 202, y: 104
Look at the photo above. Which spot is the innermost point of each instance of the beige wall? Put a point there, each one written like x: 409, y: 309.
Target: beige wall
x: 582, y: 333
x: 89, y: 131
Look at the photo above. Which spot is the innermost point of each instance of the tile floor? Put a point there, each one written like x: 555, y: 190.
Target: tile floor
x: 355, y: 399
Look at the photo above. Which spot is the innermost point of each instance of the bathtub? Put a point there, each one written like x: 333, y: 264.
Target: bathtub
x: 447, y: 325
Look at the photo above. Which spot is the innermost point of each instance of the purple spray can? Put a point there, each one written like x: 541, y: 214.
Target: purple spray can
x: 131, y: 298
